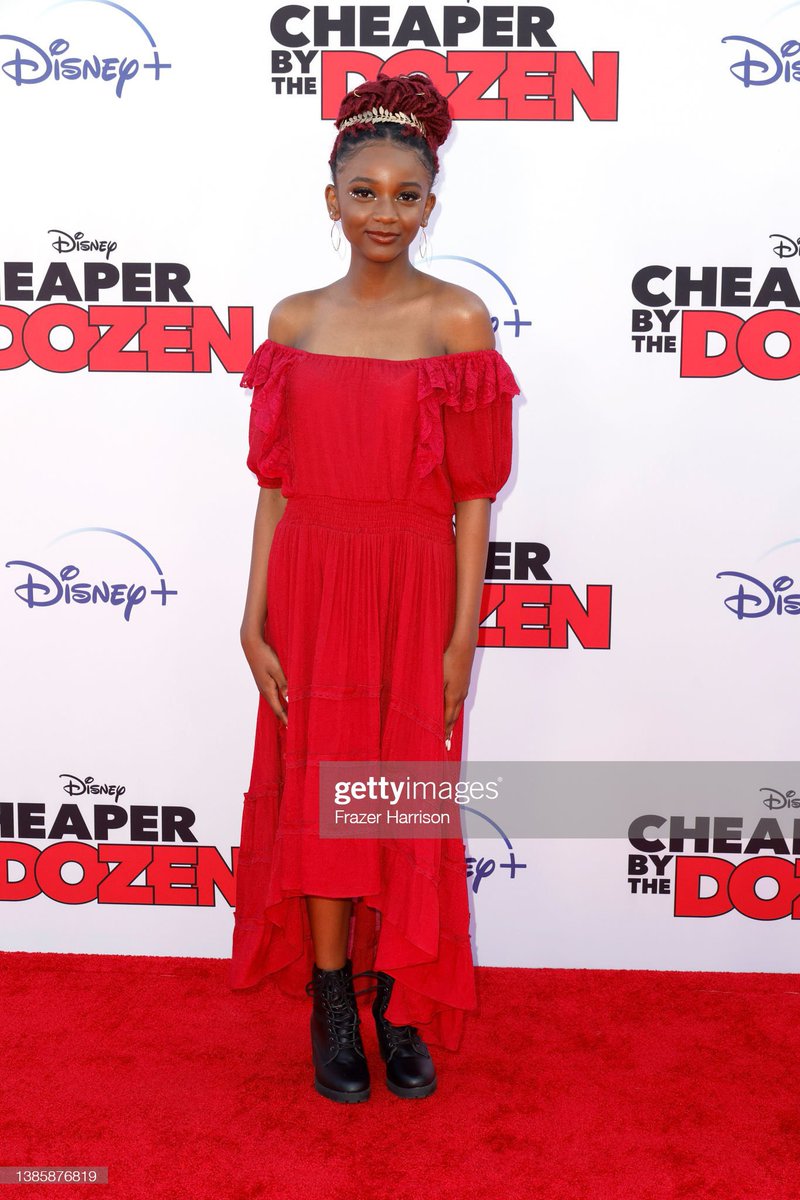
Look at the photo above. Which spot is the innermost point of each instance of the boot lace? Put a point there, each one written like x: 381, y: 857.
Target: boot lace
x: 340, y: 1009
x: 398, y: 1037
x: 404, y: 1036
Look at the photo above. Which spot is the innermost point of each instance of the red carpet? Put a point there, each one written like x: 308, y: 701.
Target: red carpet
x: 571, y: 1085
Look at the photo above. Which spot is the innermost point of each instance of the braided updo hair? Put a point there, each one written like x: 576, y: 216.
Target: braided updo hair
x: 412, y: 94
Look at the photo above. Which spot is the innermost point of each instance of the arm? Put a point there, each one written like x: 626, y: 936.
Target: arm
x: 269, y: 511
x: 472, y: 541
x: 263, y: 661
x: 469, y: 328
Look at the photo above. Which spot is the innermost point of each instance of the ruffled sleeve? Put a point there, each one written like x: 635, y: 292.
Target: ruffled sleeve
x: 466, y: 421
x: 266, y: 373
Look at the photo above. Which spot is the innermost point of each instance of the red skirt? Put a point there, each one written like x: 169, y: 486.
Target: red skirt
x: 361, y: 603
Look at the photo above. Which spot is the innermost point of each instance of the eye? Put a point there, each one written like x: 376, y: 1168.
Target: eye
x: 358, y: 192
x: 409, y: 196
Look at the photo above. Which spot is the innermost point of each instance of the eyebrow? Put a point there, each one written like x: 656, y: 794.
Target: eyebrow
x: 403, y: 183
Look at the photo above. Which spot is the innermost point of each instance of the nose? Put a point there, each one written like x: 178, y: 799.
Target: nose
x: 384, y: 210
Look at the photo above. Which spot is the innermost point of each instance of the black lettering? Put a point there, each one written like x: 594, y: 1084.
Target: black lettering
x: 345, y: 25
x: 706, y: 285
x: 533, y: 23
x: 18, y: 281
x: 462, y: 20
x: 58, y: 281
x: 177, y: 821
x: 777, y: 288
x: 279, y: 25
x: 416, y: 26
x: 735, y: 287
x: 374, y: 26
x: 641, y: 290
x: 69, y: 822
x: 767, y: 835
x: 636, y: 832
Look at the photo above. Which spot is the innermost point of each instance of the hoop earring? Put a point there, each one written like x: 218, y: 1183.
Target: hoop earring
x: 335, y: 244
x: 423, y: 246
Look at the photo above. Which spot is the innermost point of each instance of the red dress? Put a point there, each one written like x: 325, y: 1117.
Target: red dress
x: 371, y: 453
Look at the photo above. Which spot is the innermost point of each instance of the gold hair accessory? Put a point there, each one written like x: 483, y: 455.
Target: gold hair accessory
x: 372, y: 115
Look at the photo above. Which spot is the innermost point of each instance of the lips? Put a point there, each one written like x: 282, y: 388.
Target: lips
x: 380, y: 236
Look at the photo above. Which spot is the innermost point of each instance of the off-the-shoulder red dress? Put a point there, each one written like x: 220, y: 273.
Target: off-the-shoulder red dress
x: 361, y: 586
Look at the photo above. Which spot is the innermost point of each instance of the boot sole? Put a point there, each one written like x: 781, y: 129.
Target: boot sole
x: 412, y: 1093
x: 341, y: 1097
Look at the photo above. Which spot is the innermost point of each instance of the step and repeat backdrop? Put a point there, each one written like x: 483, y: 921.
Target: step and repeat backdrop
x: 620, y: 188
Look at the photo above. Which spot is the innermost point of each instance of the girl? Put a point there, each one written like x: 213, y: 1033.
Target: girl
x: 381, y: 410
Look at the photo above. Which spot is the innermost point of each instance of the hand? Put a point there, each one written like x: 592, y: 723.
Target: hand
x: 268, y: 674
x: 457, y: 670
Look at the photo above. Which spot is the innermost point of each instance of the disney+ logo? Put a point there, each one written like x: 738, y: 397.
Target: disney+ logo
x: 766, y: 65
x: 30, y: 63
x: 479, y: 869
x: 44, y: 588
x: 753, y: 598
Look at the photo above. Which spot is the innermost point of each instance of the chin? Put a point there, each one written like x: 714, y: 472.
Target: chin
x: 389, y: 249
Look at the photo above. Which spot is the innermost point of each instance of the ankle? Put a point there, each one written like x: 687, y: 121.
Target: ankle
x: 331, y: 964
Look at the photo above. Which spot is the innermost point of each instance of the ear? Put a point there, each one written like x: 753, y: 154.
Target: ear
x: 331, y: 201
x: 428, y: 209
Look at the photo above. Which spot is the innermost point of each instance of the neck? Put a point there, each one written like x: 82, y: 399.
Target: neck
x: 373, y: 282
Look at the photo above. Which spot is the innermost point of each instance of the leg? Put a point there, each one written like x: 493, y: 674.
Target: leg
x: 340, y: 1065
x: 330, y: 923
x: 409, y: 1067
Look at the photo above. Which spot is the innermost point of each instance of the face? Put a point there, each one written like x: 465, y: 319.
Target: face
x: 382, y: 196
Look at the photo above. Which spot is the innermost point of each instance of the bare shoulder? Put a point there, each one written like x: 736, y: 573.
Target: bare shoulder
x: 463, y: 319
x: 292, y: 315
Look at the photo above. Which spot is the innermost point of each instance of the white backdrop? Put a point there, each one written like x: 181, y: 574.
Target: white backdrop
x: 641, y: 484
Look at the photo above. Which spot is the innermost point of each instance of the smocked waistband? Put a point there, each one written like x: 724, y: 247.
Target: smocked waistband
x: 368, y: 516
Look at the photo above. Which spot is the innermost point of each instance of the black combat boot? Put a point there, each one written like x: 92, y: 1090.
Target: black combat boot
x: 340, y: 1065
x: 409, y: 1067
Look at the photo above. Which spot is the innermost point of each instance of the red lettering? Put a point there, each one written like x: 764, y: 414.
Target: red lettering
x: 491, y: 599
x: 542, y: 615
x: 481, y: 72
x: 164, y: 341
x: 525, y: 614
x: 591, y: 623
x: 742, y: 885
x: 598, y: 96
x: 118, y: 887
x: 183, y: 875
x: 209, y: 333
x: 13, y: 319
x: 527, y: 86
x: 50, y: 880
x: 24, y: 855
x: 173, y: 875
x: 751, y: 344
x: 696, y: 362
x: 41, y: 323
x: 109, y: 353
x: 213, y: 872
x: 745, y: 344
x: 170, y: 338
x: 534, y: 85
x: 689, y: 870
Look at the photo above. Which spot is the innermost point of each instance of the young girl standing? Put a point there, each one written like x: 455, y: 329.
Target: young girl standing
x: 381, y: 410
